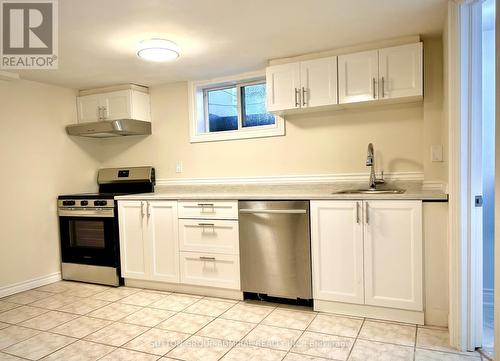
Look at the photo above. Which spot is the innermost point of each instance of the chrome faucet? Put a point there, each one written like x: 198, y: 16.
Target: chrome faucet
x: 370, y: 162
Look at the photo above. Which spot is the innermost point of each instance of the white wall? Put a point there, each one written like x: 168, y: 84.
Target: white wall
x: 315, y: 143
x: 38, y: 161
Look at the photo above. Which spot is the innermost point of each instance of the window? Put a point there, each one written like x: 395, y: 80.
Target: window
x: 232, y: 109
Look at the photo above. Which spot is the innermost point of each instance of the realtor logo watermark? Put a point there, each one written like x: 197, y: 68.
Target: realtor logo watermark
x: 29, y: 38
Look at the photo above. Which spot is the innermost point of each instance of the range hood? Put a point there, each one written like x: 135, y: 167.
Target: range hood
x: 110, y: 128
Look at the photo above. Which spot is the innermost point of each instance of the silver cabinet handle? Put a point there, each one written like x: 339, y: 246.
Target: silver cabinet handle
x: 374, y: 85
x: 142, y: 209
x: 203, y: 225
x: 297, y: 97
x: 202, y: 258
x: 274, y: 211
x: 304, y: 100
x: 383, y: 86
x: 99, y: 113
x: 148, y: 209
x: 357, y: 212
x: 104, y: 113
x: 204, y: 206
x: 367, y: 214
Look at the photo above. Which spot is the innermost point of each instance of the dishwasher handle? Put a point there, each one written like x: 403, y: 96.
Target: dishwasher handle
x: 274, y: 211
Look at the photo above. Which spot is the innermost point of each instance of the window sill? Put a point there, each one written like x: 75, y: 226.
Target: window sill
x: 277, y: 131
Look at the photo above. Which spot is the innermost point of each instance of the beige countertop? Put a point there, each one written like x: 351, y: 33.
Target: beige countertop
x: 305, y: 191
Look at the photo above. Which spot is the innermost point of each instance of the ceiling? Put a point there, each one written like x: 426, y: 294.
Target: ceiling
x: 98, y: 38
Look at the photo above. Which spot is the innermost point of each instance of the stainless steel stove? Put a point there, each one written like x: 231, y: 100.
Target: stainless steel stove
x: 88, y: 222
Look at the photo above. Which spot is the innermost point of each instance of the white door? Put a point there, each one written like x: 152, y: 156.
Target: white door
x: 117, y: 105
x: 318, y: 80
x: 283, y: 87
x: 88, y: 108
x: 401, y: 71
x: 393, y: 254
x: 162, y: 241
x: 132, y: 246
x: 337, y: 251
x: 358, y: 77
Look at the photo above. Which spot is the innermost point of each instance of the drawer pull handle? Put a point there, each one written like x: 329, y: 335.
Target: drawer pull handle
x: 207, y: 258
x: 204, y: 207
x: 203, y: 225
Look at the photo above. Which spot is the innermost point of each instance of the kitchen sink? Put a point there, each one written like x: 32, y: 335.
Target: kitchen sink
x: 371, y: 191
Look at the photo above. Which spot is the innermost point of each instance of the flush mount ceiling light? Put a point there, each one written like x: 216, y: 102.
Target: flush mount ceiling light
x: 158, y: 50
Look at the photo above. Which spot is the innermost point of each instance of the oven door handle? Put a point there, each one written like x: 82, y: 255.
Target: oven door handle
x: 88, y: 213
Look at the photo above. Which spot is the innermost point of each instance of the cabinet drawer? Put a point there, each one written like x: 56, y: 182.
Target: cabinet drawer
x: 211, y: 270
x: 209, y: 209
x: 213, y: 236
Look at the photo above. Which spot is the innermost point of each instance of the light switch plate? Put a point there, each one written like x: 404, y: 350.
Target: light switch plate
x: 178, y: 166
x: 436, y: 153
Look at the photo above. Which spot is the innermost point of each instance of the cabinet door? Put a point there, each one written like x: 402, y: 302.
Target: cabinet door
x: 117, y: 105
x: 132, y: 247
x: 283, y: 87
x: 358, y: 77
x: 318, y: 80
x: 162, y: 241
x: 337, y: 251
x: 88, y: 108
x: 401, y: 71
x: 393, y: 254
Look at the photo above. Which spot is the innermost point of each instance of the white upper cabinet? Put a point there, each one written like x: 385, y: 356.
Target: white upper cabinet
x: 400, y: 71
x: 318, y: 80
x: 393, y: 254
x: 306, y: 84
x: 113, y: 105
x: 283, y: 87
x: 337, y: 251
x: 358, y: 77
x: 367, y: 76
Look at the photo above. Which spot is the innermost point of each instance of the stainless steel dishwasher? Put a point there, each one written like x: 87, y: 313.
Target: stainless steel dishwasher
x: 275, y: 248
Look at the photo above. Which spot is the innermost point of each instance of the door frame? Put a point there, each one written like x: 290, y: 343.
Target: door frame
x: 464, y: 103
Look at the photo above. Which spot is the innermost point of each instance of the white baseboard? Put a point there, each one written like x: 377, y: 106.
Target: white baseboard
x: 436, y: 317
x: 318, y: 178
x: 29, y: 284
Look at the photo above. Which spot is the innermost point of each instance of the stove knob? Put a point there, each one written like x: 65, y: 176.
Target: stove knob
x: 97, y: 203
x: 68, y: 203
x: 84, y: 203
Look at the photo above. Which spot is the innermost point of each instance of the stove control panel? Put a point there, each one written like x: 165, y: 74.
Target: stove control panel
x: 86, y: 203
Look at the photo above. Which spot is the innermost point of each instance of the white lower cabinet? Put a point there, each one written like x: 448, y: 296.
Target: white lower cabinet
x: 210, y: 269
x: 393, y: 254
x: 149, y: 240
x: 368, y: 252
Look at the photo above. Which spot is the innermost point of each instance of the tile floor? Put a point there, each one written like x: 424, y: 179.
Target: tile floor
x: 72, y: 321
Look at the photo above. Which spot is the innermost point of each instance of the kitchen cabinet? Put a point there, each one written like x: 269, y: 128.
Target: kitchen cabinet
x: 358, y: 77
x: 149, y: 240
x: 113, y: 105
x: 401, y: 71
x: 393, y: 254
x: 209, y: 244
x: 304, y: 84
x: 368, y: 252
x: 388, y: 73
x: 337, y: 251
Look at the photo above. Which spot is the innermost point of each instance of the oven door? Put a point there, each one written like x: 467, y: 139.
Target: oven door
x: 89, y: 239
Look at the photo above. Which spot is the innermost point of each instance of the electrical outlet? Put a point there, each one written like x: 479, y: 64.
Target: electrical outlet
x: 178, y: 166
x: 436, y: 153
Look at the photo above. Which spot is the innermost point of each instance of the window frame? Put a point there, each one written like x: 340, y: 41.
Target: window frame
x: 198, y: 110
